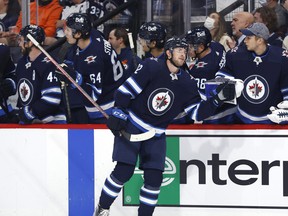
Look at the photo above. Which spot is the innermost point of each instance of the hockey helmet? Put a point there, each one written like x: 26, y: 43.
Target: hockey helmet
x: 79, y: 22
x: 35, y: 31
x: 153, y: 31
x: 199, y: 35
x: 175, y: 42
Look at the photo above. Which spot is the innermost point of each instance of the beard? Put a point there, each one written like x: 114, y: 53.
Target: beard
x: 25, y: 50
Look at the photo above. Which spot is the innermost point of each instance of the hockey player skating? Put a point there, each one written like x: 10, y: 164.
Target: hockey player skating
x: 263, y: 68
x: 150, y: 99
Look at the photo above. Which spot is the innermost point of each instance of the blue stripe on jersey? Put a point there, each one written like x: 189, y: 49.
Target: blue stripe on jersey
x: 81, y: 172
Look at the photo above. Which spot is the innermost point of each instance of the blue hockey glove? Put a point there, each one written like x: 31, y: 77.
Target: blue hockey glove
x: 70, y: 70
x: 117, y: 121
x: 26, y: 115
x: 7, y: 88
x: 224, y: 92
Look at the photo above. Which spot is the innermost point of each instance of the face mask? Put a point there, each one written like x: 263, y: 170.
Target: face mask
x: 44, y: 2
x: 262, y: 2
x: 209, y: 23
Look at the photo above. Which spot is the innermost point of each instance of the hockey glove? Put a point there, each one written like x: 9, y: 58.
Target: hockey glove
x: 26, y: 115
x: 279, y: 114
x: 70, y: 70
x: 224, y: 92
x: 117, y: 121
x: 7, y: 88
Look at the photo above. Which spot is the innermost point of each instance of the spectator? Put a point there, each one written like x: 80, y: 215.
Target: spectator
x: 280, y: 12
x: 263, y: 68
x: 94, y: 63
x: 285, y: 6
x: 240, y: 20
x: 9, y: 12
x: 152, y: 37
x: 268, y: 16
x: 7, y: 86
x: 45, y: 16
x: 37, y: 85
x: 217, y: 27
x: 118, y: 38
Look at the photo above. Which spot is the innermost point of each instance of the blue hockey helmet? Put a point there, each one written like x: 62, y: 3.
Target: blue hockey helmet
x: 35, y: 31
x: 175, y: 42
x: 199, y: 35
x: 79, y: 22
x: 153, y: 31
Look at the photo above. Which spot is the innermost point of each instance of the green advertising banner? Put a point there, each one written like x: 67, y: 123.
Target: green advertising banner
x: 170, y: 190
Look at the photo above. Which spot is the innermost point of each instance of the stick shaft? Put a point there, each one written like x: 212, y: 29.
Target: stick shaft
x: 68, y: 76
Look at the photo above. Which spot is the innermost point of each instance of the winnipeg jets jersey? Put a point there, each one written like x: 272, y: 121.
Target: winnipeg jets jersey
x: 129, y: 61
x: 39, y: 88
x: 154, y: 96
x: 102, y: 73
x: 265, y: 81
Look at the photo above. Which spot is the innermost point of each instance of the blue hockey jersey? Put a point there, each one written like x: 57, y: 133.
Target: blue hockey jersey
x: 39, y: 88
x: 102, y: 74
x: 265, y: 81
x: 154, y: 96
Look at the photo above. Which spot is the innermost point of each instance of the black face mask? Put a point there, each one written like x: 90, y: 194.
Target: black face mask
x: 44, y: 2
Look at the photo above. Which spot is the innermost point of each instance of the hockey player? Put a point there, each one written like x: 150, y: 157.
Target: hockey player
x: 149, y: 100
x: 38, y: 87
x: 152, y: 37
x: 7, y: 86
x: 208, y: 61
x: 94, y: 64
x: 118, y: 38
x: 263, y: 68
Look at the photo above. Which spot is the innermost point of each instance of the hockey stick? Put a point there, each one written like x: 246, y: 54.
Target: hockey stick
x: 131, y: 137
x: 132, y: 49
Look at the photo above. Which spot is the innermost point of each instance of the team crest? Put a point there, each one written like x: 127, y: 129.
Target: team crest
x: 256, y: 89
x: 160, y: 101
x: 90, y: 59
x: 46, y: 60
x: 201, y: 64
x: 25, y: 91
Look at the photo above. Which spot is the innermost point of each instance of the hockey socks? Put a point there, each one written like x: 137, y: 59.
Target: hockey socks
x: 148, y: 200
x: 110, y: 191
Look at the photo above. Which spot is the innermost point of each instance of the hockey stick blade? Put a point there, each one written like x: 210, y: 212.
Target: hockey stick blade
x: 130, y: 137
x: 138, y: 137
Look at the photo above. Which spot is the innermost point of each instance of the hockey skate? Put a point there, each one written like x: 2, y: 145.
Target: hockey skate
x: 100, y: 211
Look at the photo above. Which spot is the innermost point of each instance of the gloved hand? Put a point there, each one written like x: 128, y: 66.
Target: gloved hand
x: 7, y: 88
x: 26, y: 115
x: 70, y: 70
x: 224, y: 92
x: 117, y: 121
x: 279, y: 114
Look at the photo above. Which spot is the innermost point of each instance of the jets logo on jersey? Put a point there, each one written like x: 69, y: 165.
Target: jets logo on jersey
x: 25, y: 91
x: 46, y: 60
x: 201, y: 64
x: 27, y: 65
x: 256, y: 89
x: 90, y: 59
x: 160, y: 101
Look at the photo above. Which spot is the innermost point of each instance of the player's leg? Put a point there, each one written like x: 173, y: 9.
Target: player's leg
x: 152, y: 161
x: 149, y: 192
x: 126, y: 154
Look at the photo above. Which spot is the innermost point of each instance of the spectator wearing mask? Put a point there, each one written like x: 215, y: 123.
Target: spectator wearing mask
x: 217, y: 27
